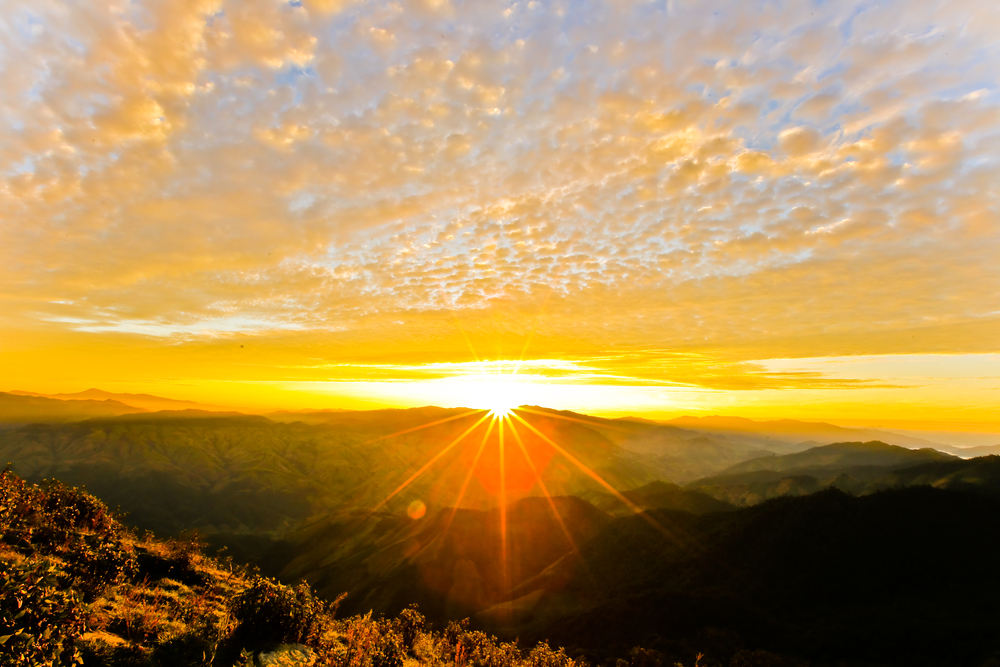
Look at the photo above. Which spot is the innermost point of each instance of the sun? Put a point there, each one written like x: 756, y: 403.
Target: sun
x: 498, y: 397
x: 496, y: 393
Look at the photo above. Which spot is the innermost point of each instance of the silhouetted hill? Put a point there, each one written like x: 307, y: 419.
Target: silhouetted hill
x: 978, y: 475
x: 853, y: 467
x: 205, y: 418
x: 144, y: 401
x: 673, y: 453
x: 304, y: 416
x: 793, y: 431
x: 902, y: 577
x: 659, y: 495
x: 18, y: 410
x: 973, y: 452
x: 841, y: 456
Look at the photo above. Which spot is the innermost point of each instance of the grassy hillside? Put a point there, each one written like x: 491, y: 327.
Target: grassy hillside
x: 904, y: 577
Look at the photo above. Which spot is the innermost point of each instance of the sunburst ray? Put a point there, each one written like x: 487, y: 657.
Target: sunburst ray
x: 597, y: 478
x: 468, y: 477
x: 421, y: 427
x: 432, y: 461
x: 503, y: 508
x: 555, y: 415
x: 543, y: 487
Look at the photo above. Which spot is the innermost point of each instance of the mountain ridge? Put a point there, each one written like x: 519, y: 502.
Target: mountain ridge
x: 145, y: 401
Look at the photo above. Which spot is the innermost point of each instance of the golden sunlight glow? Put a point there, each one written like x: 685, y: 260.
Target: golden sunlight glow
x: 500, y: 411
x: 496, y: 393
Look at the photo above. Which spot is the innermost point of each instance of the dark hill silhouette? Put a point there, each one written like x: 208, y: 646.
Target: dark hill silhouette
x: 843, y: 455
x: 16, y: 410
x: 144, y: 401
x: 854, y: 467
x: 973, y: 452
x: 207, y: 418
x: 978, y: 475
x: 902, y: 577
x: 676, y: 454
x: 793, y: 431
x: 659, y: 495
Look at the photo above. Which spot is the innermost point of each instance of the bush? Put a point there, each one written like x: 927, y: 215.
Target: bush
x: 758, y: 658
x: 372, y: 643
x: 409, y: 625
x: 70, y: 509
x: 544, y: 656
x: 270, y: 612
x: 97, y: 567
x: 39, y: 620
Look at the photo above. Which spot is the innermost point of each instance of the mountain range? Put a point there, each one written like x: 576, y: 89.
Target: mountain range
x: 706, y: 535
x: 144, y: 401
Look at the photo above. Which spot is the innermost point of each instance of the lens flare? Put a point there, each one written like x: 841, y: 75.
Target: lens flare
x: 416, y: 509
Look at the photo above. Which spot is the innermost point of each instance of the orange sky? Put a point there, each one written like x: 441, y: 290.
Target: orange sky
x: 662, y: 207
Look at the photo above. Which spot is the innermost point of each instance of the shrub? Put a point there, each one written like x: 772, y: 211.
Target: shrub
x: 477, y: 648
x: 759, y: 658
x: 645, y: 657
x: 544, y: 656
x: 372, y: 643
x: 96, y: 567
x: 39, y: 620
x: 73, y: 509
x: 270, y: 612
x: 409, y: 625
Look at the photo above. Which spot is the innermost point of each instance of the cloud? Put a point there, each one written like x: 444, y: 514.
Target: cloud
x: 657, y: 176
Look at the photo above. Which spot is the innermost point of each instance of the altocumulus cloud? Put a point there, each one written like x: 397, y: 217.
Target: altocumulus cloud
x: 657, y: 174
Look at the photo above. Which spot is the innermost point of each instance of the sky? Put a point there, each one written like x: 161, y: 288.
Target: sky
x: 753, y: 208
